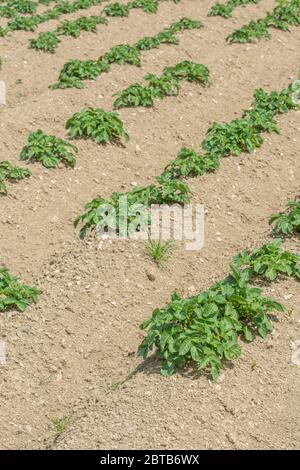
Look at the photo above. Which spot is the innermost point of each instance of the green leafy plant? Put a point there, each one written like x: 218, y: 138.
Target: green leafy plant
x: 189, y: 71
x: 98, y: 125
x: 165, y: 85
x: 268, y: 262
x: 10, y: 172
x: 162, y: 192
x: 122, y: 54
x: 158, y: 250
x: 116, y: 9
x: 49, y: 150
x: 84, y: 23
x: 23, y: 6
x: 190, y: 163
x: 202, y: 331
x: 14, y: 294
x: 225, y: 9
x: 148, y: 6
x: 45, y: 41
x: 25, y: 23
x: 287, y: 222
x: 231, y: 139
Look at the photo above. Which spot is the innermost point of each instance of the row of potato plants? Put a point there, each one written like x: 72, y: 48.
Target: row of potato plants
x: 30, y: 23
x: 221, y: 140
x: 48, y: 41
x: 284, y: 15
x: 75, y: 72
x: 203, y: 332
x: 225, y: 9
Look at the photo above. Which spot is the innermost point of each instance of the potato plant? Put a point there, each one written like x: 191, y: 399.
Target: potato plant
x: 100, y: 126
x: 203, y: 331
x: 161, y: 192
x: 269, y: 262
x: 116, y: 9
x: 225, y: 9
x: 123, y: 9
x: 49, y: 150
x: 83, y: 23
x: 14, y: 294
x: 190, y: 163
x: 287, y: 222
x: 11, y: 173
x: 168, y: 84
x: 47, y: 42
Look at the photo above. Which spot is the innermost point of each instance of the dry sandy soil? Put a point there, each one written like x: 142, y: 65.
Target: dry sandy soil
x: 68, y: 355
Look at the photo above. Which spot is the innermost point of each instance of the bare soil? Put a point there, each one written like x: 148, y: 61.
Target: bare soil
x: 69, y: 354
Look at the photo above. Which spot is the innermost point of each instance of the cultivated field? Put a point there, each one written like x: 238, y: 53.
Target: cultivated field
x: 197, y: 104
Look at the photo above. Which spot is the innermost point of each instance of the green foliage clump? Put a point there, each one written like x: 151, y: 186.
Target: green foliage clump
x: 116, y: 9
x: 14, y: 294
x: 49, y: 150
x: 122, y: 54
x: 203, y: 331
x: 84, y: 23
x: 10, y: 172
x: 23, y: 6
x: 148, y: 6
x: 287, y: 222
x: 190, y: 163
x: 98, y: 125
x: 135, y: 95
x: 231, y: 139
x: 225, y: 9
x: 268, y: 262
x: 47, y: 42
x: 162, y: 192
x: 167, y: 84
x: 25, y: 23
